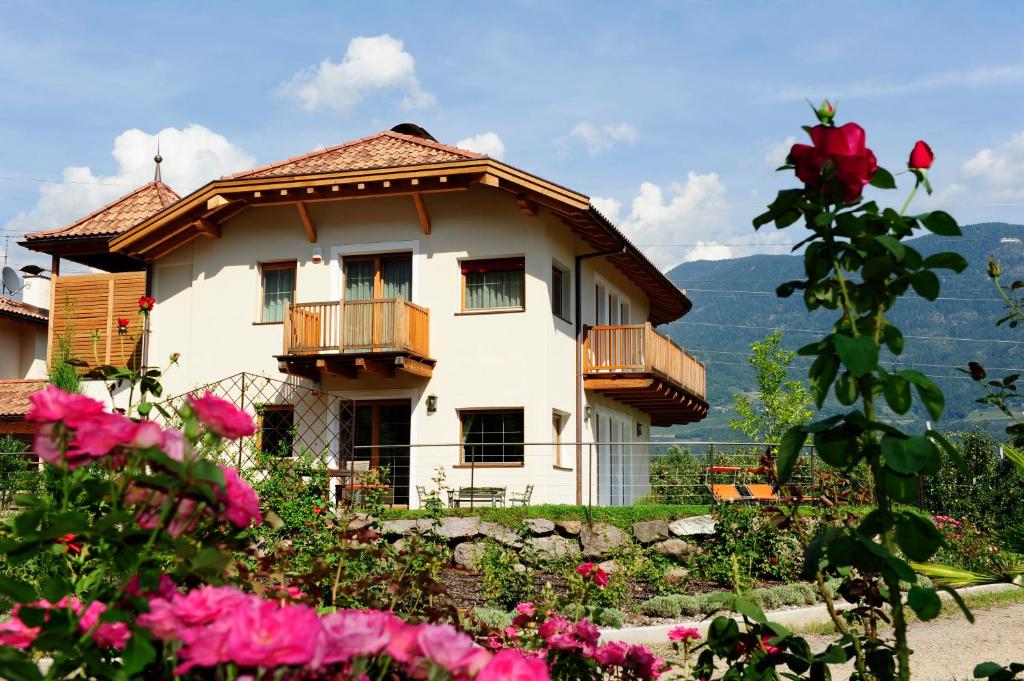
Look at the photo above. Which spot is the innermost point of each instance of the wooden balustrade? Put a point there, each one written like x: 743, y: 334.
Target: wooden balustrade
x: 379, y: 325
x: 638, y: 348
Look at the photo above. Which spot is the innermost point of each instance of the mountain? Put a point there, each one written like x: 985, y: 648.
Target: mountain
x: 734, y: 303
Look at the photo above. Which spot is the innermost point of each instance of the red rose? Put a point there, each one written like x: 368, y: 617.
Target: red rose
x: 854, y: 164
x: 921, y: 156
x: 68, y: 541
x: 122, y: 325
x: 146, y: 303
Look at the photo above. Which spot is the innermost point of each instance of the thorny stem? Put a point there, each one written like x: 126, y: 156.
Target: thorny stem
x: 906, y: 204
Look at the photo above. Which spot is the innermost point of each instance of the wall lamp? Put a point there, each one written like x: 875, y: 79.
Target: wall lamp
x: 588, y: 411
x: 431, y: 404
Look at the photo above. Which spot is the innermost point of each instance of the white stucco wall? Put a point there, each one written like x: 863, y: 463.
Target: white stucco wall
x: 22, y: 350
x: 208, y: 305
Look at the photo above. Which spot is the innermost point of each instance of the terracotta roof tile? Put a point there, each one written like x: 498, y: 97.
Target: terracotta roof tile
x: 384, y: 150
x: 118, y: 216
x: 14, y: 395
x: 9, y: 307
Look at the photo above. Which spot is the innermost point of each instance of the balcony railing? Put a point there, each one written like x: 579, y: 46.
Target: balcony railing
x: 639, y: 349
x: 358, y: 326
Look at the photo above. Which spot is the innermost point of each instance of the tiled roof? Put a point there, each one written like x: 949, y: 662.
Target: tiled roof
x: 116, y: 217
x: 14, y: 397
x: 384, y: 150
x: 9, y: 307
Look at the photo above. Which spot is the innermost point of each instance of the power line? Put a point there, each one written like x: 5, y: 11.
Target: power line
x: 824, y: 331
x: 772, y: 293
x: 13, y: 178
x: 919, y: 364
x: 744, y: 364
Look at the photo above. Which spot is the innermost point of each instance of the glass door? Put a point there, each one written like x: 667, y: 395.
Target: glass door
x: 370, y: 280
x: 381, y: 432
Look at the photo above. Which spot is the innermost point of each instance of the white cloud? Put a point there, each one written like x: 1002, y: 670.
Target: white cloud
x: 484, y: 143
x: 777, y: 153
x: 610, y: 208
x: 192, y: 156
x: 999, y: 172
x: 598, y: 139
x: 691, y: 223
x: 370, y: 65
x: 880, y: 87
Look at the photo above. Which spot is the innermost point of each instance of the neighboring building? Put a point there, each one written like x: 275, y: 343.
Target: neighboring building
x: 466, y: 307
x: 22, y: 361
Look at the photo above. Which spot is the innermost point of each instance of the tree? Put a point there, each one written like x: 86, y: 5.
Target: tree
x: 781, y: 403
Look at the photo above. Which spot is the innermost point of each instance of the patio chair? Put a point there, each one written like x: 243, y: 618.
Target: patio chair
x: 521, y: 499
x: 423, y: 495
x: 761, y: 492
x: 724, y: 491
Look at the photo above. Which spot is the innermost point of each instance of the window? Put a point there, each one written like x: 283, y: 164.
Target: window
x: 490, y: 437
x: 278, y: 289
x: 560, y: 285
x: 277, y: 429
x: 557, y: 423
x: 378, y: 276
x: 495, y: 284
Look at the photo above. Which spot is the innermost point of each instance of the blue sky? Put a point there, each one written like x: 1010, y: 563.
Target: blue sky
x: 672, y: 115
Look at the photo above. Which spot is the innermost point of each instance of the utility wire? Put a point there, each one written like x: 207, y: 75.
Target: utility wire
x: 919, y: 364
x: 824, y: 331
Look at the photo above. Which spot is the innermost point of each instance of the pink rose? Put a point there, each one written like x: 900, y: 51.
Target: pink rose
x: 351, y: 633
x: 265, y: 635
x: 204, y: 647
x: 684, y: 634
x: 514, y: 665
x: 451, y: 649
x: 160, y: 620
x: 612, y: 653
x: 222, y: 417
x: 51, y: 404
x: 208, y: 604
x: 17, y: 634
x: 243, y: 506
x: 404, y: 645
x: 594, y: 573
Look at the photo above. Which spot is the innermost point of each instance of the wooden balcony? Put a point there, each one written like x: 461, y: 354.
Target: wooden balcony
x: 381, y: 337
x: 636, y: 365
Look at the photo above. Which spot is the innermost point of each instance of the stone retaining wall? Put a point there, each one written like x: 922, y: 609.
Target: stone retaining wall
x: 547, y: 539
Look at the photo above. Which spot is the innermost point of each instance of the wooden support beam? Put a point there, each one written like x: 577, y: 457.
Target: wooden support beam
x: 334, y: 368
x: 217, y: 201
x: 489, y: 180
x: 421, y: 210
x: 307, y: 222
x: 617, y: 383
x: 296, y: 369
x: 526, y: 205
x: 207, y: 228
x: 376, y: 367
x: 414, y: 367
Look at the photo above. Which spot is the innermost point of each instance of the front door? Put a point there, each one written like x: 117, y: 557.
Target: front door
x: 381, y: 436
x: 614, y: 464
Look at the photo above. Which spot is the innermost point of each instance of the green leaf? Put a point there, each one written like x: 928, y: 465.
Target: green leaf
x: 883, y: 179
x: 926, y: 284
x: 908, y: 456
x: 749, y: 610
x: 929, y: 393
x: 859, y: 354
x: 893, y: 339
x: 821, y: 375
x: 54, y: 589
x: 137, y: 654
x: 986, y: 669
x: 209, y: 558
x: 789, y: 453
x: 940, y: 222
x: 144, y: 408
x: 946, y: 261
x: 916, y: 536
x: 897, y: 393
x: 16, y: 590
x: 959, y: 601
x: 925, y: 602
x: 902, y: 487
x: 847, y: 389
x: 892, y: 245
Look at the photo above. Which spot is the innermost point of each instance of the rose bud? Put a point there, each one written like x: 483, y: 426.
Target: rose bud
x: 826, y: 112
x: 921, y: 156
x: 993, y: 268
x: 122, y: 325
x: 977, y: 371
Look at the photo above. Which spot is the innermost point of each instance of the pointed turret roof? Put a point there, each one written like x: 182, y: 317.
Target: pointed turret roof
x: 117, y: 216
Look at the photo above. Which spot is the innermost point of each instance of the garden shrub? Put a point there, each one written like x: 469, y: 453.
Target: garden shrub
x: 760, y: 550
x: 493, y: 618
x: 505, y: 576
x: 661, y: 606
x: 987, y: 491
x: 677, y: 478
x: 622, y: 517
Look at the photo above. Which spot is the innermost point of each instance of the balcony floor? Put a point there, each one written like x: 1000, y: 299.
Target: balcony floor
x: 355, y: 365
x: 666, y: 402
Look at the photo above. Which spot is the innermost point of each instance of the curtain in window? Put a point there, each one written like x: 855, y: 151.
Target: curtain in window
x: 359, y: 279
x: 397, y: 275
x: 278, y: 287
x: 485, y: 290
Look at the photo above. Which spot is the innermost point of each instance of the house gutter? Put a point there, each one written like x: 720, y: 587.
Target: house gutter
x: 578, y: 319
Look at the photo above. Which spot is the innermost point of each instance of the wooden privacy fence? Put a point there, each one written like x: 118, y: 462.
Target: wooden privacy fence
x: 638, y: 348
x: 378, y: 325
x: 84, y: 310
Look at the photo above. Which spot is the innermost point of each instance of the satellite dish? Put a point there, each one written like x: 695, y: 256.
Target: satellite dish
x: 11, y: 280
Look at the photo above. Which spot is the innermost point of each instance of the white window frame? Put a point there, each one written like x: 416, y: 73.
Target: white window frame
x: 567, y: 291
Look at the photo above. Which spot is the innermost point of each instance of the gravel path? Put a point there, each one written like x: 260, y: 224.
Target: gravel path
x: 949, y: 647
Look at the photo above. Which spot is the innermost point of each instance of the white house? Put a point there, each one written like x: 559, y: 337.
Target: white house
x: 475, y: 317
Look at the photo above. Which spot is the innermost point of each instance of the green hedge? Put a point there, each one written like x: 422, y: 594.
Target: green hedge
x: 622, y: 517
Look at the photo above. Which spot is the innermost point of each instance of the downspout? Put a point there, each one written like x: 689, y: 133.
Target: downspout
x: 578, y: 319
